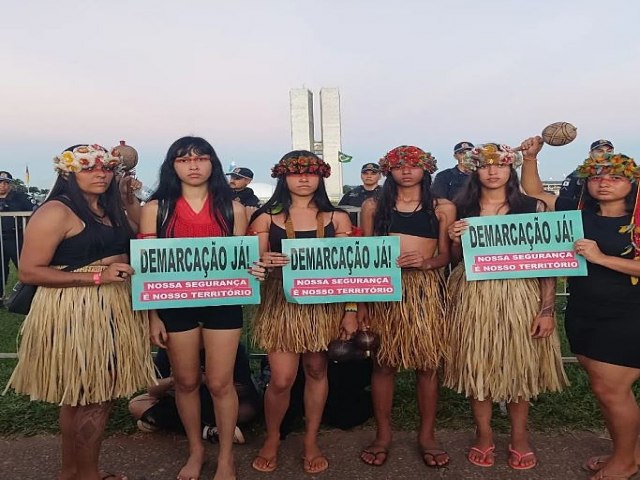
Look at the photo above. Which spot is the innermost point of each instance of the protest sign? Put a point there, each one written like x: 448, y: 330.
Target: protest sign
x: 193, y: 272
x: 523, y: 246
x: 330, y: 270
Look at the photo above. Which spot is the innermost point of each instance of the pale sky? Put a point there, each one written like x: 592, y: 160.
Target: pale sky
x: 427, y: 73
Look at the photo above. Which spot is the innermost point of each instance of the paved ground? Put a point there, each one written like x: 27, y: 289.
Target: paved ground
x: 158, y: 456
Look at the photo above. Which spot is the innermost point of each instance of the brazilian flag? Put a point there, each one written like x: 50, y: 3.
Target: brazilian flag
x: 344, y: 158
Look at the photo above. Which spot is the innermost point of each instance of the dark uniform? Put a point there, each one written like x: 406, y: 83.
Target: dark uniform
x: 356, y: 196
x: 571, y: 187
x: 12, y: 230
x: 449, y: 182
x: 246, y: 197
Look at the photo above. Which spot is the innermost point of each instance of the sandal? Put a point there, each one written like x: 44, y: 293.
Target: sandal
x: 519, y: 456
x: 376, y: 452
x: 433, y: 454
x: 595, y: 464
x: 111, y: 476
x: 486, y: 460
x: 307, y: 464
x: 604, y: 476
x: 270, y: 464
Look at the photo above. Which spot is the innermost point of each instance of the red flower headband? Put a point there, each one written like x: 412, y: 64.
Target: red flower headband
x: 409, y: 156
x: 302, y: 164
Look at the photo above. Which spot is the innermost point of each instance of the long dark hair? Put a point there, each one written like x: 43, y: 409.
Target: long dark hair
x: 386, y: 203
x: 280, y: 201
x: 468, y: 199
x: 169, y: 188
x: 591, y: 204
x: 66, y: 190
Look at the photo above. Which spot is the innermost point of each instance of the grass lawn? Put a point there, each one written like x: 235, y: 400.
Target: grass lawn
x: 573, y: 409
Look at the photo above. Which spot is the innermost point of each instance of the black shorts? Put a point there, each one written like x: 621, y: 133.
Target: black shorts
x: 223, y: 317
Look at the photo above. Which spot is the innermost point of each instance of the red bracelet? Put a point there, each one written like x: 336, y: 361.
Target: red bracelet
x: 97, y: 278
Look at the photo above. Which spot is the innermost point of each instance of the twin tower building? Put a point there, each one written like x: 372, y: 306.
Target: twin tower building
x: 303, y: 131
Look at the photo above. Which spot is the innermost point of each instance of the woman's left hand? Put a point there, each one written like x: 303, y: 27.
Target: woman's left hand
x: 258, y: 270
x: 543, y: 325
x: 349, y: 325
x: 411, y: 259
x: 589, y: 250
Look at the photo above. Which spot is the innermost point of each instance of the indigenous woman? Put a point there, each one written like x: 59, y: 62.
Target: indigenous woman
x: 602, y: 317
x: 299, y: 208
x: 82, y: 345
x: 503, y: 344
x: 193, y: 199
x: 412, y: 331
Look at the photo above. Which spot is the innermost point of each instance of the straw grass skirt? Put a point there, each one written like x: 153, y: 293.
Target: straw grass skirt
x: 491, y: 352
x: 83, y: 345
x: 280, y: 326
x: 413, y: 331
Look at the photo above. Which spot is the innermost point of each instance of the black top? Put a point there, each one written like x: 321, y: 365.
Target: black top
x: 420, y: 223
x: 14, y: 202
x: 449, y: 182
x: 246, y: 197
x: 603, y: 286
x: 94, y: 242
x: 356, y: 196
x: 277, y: 234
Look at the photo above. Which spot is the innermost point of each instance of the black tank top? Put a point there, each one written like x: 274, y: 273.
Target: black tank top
x: 421, y: 223
x: 94, y: 242
x: 277, y: 234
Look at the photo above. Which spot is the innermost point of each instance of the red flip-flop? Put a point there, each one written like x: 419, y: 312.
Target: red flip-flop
x: 519, y: 456
x: 487, y: 462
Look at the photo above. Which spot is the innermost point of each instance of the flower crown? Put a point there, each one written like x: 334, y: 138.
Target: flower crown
x: 491, y: 154
x: 85, y: 157
x: 611, y: 164
x: 406, y: 155
x: 301, y: 164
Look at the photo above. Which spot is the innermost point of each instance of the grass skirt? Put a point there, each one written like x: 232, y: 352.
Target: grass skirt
x: 412, y: 331
x: 491, y: 352
x: 83, y: 345
x: 280, y: 326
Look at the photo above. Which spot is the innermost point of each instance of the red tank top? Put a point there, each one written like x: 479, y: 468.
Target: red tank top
x: 186, y: 223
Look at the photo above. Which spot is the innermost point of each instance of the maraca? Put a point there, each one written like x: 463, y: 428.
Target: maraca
x: 129, y: 157
x: 557, y: 134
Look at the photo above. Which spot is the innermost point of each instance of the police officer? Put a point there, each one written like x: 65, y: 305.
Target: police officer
x: 370, y: 176
x: 572, y: 185
x: 11, y: 201
x: 239, y: 179
x: 449, y: 182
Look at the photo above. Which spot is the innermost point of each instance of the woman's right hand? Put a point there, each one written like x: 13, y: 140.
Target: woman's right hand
x: 456, y: 229
x: 158, y: 331
x: 274, y: 259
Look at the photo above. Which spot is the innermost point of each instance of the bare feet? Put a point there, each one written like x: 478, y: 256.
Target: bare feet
x: 267, y: 458
x: 597, y: 463
x: 191, y: 469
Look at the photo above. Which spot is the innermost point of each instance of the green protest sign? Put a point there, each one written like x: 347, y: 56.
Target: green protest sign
x: 330, y: 270
x: 193, y: 272
x: 523, y: 246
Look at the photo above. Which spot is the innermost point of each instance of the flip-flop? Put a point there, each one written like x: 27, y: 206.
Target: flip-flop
x: 375, y: 451
x: 433, y: 453
x: 307, y: 462
x: 598, y: 461
x: 484, y: 453
x: 604, y: 476
x: 271, y: 464
x: 108, y: 476
x: 519, y: 456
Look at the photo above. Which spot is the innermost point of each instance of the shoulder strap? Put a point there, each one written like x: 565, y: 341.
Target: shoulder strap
x: 161, y: 216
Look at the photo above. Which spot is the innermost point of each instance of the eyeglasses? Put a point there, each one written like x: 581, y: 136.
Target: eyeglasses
x: 610, y: 178
x: 197, y: 159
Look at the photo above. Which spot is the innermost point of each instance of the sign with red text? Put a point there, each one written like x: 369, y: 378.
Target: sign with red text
x: 193, y: 272
x: 523, y: 246
x: 331, y: 270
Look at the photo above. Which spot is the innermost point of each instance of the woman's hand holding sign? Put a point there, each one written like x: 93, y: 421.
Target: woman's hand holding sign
x: 274, y: 259
x: 589, y: 250
x: 456, y: 230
